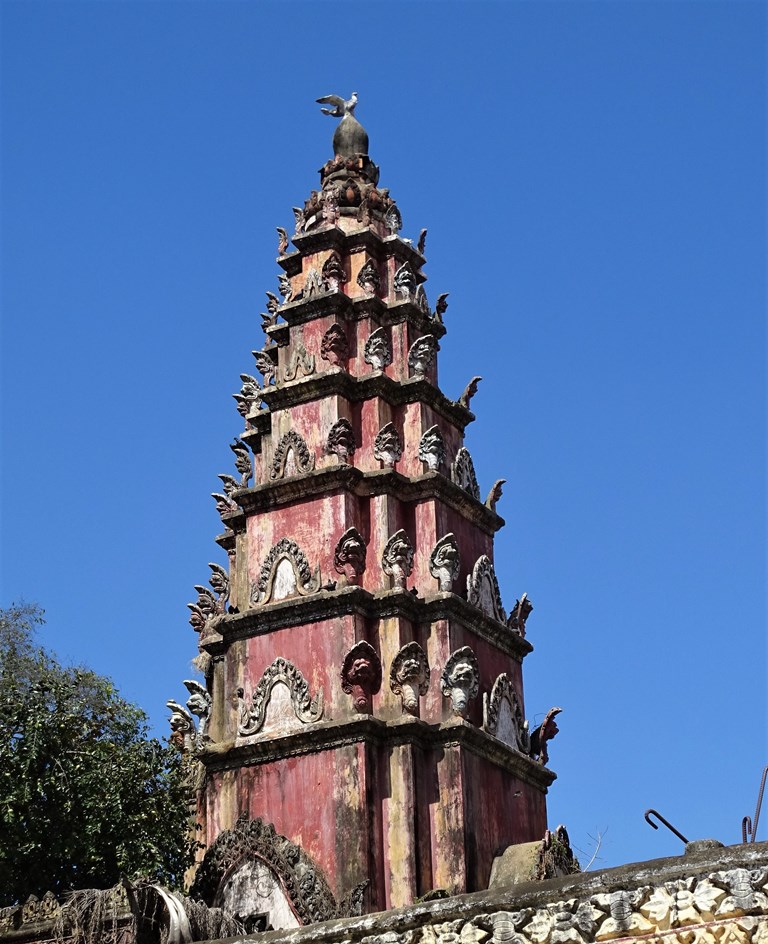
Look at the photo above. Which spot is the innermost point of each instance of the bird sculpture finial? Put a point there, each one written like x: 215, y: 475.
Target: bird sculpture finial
x: 349, y: 138
x: 341, y: 108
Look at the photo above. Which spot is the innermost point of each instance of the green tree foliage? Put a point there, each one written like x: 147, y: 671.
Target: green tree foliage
x: 85, y: 795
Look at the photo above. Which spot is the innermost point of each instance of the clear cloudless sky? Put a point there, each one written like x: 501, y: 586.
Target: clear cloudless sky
x: 592, y: 176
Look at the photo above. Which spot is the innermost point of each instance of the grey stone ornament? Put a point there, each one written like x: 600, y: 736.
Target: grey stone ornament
x: 284, y: 573
x: 460, y: 680
x: 405, y: 282
x: 397, y: 559
x: 334, y: 347
x: 291, y: 446
x: 333, y: 272
x: 282, y: 671
x: 409, y: 676
x: 341, y: 440
x: 503, y: 715
x: 378, y: 350
x: 463, y: 473
x: 387, y: 446
x: 444, y: 562
x: 421, y: 355
x: 243, y: 461
x: 432, y: 449
x: 368, y: 278
x: 483, y: 589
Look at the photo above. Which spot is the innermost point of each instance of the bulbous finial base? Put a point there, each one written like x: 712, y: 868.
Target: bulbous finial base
x: 350, y: 138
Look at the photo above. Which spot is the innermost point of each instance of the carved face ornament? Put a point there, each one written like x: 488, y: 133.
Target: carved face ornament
x: 461, y: 679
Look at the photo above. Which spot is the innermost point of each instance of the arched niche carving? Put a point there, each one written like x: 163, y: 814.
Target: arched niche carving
x: 299, y: 702
x: 293, y: 443
x: 284, y: 573
x: 463, y: 473
x: 503, y: 715
x: 299, y: 880
x: 483, y: 589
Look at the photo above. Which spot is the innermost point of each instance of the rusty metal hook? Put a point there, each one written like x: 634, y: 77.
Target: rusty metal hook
x: 759, y: 803
x: 746, y: 829
x: 660, y: 818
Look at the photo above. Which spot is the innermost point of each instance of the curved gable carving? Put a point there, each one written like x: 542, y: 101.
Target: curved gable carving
x: 304, y: 460
x: 306, y: 708
x: 463, y: 473
x: 483, y: 589
x: 503, y: 715
x: 301, y: 879
x: 284, y: 573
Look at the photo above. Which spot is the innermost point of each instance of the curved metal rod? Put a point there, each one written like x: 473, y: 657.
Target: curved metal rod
x: 746, y: 829
x: 660, y: 818
x: 759, y: 803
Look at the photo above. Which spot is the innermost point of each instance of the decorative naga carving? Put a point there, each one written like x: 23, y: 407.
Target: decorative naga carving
x: 225, y: 504
x: 349, y: 556
x: 432, y: 448
x: 440, y: 307
x: 282, y: 240
x: 378, y: 350
x: 520, y: 613
x: 405, y: 282
x: 249, y: 398
x: 306, y: 708
x: 273, y: 304
x: 334, y: 275
x: 341, y: 440
x: 219, y: 581
x: 199, y: 704
x: 495, y: 494
x: 284, y: 287
x: 300, y: 361
x: 421, y: 355
x: 243, y: 461
x: 334, y: 347
x: 421, y: 301
x: 393, y: 220
x: 469, y: 391
x: 503, y: 715
x: 284, y: 573
x: 483, y: 589
x: 361, y: 675
x: 460, y: 680
x: 463, y: 473
x: 545, y: 732
x: 291, y: 443
x: 182, y: 726
x: 387, y: 446
x: 303, y: 881
x: 265, y: 364
x: 397, y: 559
x: 421, y: 245
x: 409, y: 676
x: 368, y: 278
x: 444, y: 562
x: 203, y: 610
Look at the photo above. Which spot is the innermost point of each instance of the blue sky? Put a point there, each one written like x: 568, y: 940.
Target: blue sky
x: 592, y: 176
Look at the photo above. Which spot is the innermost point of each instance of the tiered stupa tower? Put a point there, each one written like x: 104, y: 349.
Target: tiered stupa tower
x: 362, y: 730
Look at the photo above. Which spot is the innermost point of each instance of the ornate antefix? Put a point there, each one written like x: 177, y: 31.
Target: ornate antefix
x: 387, y: 446
x: 519, y: 615
x: 405, y: 282
x: 243, y: 462
x: 393, y: 219
x: 361, y: 675
x: 306, y: 708
x: 284, y: 573
x: 299, y: 877
x: 421, y: 355
x: 368, y: 278
x: 313, y: 285
x: 291, y: 444
x: 432, y: 448
x: 409, y: 676
x: 333, y: 272
x: 349, y: 556
x: 249, y: 398
x: 341, y: 440
x: 397, y: 559
x: 503, y: 715
x: 334, y: 347
x: 444, y: 562
x: 301, y: 363
x: 265, y: 364
x: 463, y: 473
x: 460, y: 680
x: 545, y: 732
x: 378, y: 350
x: 483, y: 589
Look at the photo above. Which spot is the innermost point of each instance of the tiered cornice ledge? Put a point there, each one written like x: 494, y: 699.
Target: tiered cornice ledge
x: 295, y: 488
x: 333, y: 237
x: 356, y: 389
x: 329, y: 604
x: 329, y: 735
